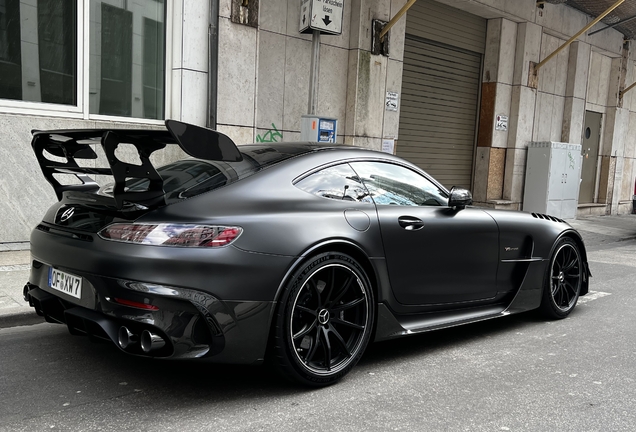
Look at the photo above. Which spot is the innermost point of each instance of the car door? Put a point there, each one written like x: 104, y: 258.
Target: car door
x: 434, y: 254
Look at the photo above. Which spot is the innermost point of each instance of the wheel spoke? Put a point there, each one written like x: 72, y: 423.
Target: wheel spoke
x: 341, y: 340
x: 314, y: 347
x: 347, y: 323
x: 344, y: 289
x: 307, y: 310
x: 570, y: 287
x: 306, y: 330
x: 314, y: 288
x: 327, y: 348
x: 347, y: 305
x: 570, y: 265
x: 332, y: 285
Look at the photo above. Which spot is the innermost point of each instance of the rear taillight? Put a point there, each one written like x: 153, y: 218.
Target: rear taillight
x: 135, y: 304
x: 179, y: 235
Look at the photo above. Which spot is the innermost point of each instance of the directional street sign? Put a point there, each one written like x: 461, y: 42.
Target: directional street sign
x: 322, y: 15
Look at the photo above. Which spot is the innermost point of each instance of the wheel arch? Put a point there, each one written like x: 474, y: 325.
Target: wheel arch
x: 334, y: 245
x: 576, y: 237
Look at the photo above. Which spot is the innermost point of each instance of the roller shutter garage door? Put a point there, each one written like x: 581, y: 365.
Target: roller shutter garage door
x: 440, y: 91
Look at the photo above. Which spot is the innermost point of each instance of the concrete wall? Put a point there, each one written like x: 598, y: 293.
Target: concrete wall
x: 264, y: 74
x: 584, y: 76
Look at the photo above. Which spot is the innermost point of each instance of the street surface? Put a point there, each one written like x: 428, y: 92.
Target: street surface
x: 517, y: 373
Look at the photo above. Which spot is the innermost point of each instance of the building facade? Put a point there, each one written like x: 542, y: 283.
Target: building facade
x: 460, y: 71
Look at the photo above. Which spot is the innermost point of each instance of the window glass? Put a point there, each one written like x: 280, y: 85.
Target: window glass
x: 338, y: 182
x: 38, y: 51
x: 127, y: 58
x: 391, y: 184
x: 191, y: 177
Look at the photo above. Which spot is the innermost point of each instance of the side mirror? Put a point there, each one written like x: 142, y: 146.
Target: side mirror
x: 459, y: 198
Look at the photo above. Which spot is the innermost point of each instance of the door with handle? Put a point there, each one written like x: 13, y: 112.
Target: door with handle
x: 434, y: 254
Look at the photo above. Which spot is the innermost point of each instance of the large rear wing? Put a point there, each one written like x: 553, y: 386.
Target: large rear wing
x: 72, y: 145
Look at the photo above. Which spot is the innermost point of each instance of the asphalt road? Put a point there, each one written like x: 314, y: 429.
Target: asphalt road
x: 517, y: 373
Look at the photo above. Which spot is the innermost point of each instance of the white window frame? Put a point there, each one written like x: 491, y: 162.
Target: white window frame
x: 81, y: 110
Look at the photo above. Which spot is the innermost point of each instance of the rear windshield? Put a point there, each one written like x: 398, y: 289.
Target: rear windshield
x: 190, y: 177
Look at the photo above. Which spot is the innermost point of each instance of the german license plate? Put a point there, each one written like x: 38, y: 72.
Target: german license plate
x: 65, y: 282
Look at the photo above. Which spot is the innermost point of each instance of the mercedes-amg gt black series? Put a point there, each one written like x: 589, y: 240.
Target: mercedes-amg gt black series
x: 299, y: 253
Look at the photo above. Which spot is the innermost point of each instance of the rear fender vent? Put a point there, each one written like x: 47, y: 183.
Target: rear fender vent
x: 547, y: 217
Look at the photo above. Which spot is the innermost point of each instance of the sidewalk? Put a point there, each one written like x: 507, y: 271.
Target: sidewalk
x: 598, y: 232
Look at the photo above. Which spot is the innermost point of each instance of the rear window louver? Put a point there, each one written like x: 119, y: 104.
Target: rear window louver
x: 547, y: 217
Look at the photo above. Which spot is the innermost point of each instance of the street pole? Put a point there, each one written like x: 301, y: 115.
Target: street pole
x: 313, y: 74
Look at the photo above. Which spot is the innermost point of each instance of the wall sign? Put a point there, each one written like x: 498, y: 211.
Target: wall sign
x: 391, y: 101
x: 322, y: 15
x: 501, y: 123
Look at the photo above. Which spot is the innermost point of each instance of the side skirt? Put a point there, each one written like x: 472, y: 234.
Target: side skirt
x: 391, y: 326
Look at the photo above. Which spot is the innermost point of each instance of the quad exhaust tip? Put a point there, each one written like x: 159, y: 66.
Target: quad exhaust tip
x: 151, y: 342
x: 126, y: 338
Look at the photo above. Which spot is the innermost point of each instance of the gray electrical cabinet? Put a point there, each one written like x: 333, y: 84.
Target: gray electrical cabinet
x: 553, y: 177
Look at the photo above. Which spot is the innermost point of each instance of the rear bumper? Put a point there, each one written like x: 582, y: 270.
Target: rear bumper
x: 190, y: 324
x: 206, y: 303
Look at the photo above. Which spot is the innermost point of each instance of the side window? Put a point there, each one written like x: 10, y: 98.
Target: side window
x: 338, y: 182
x: 391, y: 184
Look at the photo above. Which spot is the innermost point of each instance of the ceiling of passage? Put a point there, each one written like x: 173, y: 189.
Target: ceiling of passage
x: 625, y: 14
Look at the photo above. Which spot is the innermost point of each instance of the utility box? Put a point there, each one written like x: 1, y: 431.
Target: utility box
x: 553, y: 177
x: 318, y: 129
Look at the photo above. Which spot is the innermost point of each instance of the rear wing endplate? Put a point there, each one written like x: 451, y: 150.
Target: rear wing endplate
x: 72, y: 145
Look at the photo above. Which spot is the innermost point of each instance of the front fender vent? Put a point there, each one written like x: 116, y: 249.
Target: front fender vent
x: 547, y: 217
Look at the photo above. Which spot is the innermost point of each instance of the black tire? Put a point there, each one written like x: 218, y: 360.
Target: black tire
x: 324, y: 320
x: 563, y: 280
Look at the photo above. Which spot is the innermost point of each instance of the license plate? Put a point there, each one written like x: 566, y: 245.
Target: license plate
x: 66, y: 283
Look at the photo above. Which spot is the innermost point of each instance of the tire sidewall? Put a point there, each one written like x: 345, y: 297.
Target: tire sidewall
x: 284, y: 345
x: 548, y: 304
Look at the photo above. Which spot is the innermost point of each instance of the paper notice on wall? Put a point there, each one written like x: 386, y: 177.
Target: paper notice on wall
x: 388, y: 145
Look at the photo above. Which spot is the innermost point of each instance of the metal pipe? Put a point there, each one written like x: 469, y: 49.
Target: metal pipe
x: 622, y: 92
x: 395, y: 19
x: 576, y: 36
x: 213, y: 62
x: 612, y: 26
x: 313, y: 74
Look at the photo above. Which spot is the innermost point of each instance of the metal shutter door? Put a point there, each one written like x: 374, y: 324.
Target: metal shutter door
x: 440, y: 92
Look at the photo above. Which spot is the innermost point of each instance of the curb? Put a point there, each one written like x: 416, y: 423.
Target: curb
x: 17, y: 318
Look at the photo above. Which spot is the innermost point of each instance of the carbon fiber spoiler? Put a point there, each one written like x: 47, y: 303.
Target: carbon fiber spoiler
x: 77, y: 144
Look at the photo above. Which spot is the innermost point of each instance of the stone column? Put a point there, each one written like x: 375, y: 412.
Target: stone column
x: 371, y: 76
x: 496, y: 95
x: 521, y: 112
x: 575, y: 92
x: 189, y: 67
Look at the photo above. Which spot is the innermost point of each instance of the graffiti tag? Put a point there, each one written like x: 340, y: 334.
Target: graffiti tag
x: 272, y: 135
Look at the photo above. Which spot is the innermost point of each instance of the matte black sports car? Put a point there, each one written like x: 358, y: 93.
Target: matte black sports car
x: 298, y: 252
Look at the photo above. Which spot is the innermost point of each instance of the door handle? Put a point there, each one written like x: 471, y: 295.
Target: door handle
x: 410, y: 223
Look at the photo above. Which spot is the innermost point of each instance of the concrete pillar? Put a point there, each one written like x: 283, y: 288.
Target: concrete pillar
x: 371, y: 76
x: 521, y: 112
x: 575, y: 92
x: 614, y: 137
x: 495, y: 100
x: 189, y: 68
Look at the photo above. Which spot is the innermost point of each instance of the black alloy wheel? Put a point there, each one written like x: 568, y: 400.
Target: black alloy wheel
x: 324, y: 321
x: 563, y: 280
